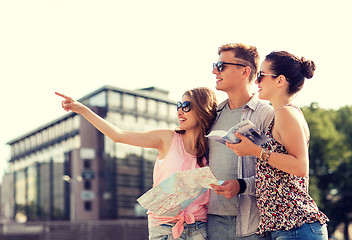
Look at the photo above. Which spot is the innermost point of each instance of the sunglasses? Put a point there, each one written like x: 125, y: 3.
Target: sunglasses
x: 220, y: 65
x: 261, y: 75
x: 185, y: 106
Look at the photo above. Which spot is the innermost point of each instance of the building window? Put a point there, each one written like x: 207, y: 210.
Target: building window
x: 88, y: 205
x: 163, y: 110
x: 114, y: 99
x: 129, y: 102
x: 87, y: 185
x: 98, y: 100
x: 141, y: 105
x: 87, y: 164
x: 152, y: 107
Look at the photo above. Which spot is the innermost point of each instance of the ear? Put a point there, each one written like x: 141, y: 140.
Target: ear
x: 246, y: 72
x: 281, y: 81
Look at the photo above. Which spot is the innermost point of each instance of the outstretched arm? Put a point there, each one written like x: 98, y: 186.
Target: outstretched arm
x: 159, y: 139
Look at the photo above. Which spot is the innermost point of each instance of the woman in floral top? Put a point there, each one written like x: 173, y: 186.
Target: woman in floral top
x: 286, y: 209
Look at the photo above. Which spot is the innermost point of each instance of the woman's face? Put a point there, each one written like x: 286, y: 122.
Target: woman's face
x: 187, y: 119
x: 265, y: 81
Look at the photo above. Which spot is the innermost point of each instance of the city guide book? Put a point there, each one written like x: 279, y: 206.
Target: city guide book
x: 246, y: 128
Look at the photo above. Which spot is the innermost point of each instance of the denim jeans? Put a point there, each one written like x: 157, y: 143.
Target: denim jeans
x: 224, y: 227
x: 308, y: 231
x: 194, y: 231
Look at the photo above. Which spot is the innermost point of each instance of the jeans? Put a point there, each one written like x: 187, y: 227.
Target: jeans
x: 308, y: 231
x: 194, y: 231
x: 224, y: 227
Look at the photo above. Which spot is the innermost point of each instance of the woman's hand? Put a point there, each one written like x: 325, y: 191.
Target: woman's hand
x: 244, y: 148
x: 70, y: 104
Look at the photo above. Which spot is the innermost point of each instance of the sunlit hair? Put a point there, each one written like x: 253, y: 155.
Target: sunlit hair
x: 203, y: 102
x: 248, y: 54
x: 293, y: 68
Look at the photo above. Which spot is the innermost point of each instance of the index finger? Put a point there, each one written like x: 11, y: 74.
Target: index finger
x: 62, y: 95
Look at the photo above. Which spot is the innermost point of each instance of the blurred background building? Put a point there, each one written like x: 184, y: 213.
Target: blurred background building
x: 68, y: 170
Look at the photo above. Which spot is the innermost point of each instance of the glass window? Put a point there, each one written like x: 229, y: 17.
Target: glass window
x: 88, y: 205
x: 39, y: 138
x: 20, y: 185
x: 58, y: 190
x: 76, y: 142
x: 129, y: 102
x: 33, y: 141
x: 114, y: 99
x: 152, y: 107
x: 76, y: 121
x: 141, y: 124
x: 114, y: 118
x: 163, y: 110
x: 17, y: 148
x: 153, y: 123
x: 68, y: 125
x: 172, y: 111
x: 44, y: 190
x: 87, y: 164
x: 98, y: 100
x: 141, y: 104
x: 22, y: 146
x: 45, y: 135
x: 87, y: 185
x: 163, y: 124
x: 129, y: 123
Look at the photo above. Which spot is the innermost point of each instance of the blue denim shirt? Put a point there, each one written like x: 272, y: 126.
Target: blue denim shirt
x: 261, y: 114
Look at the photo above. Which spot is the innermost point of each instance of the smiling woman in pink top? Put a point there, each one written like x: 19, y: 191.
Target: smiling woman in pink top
x: 179, y: 150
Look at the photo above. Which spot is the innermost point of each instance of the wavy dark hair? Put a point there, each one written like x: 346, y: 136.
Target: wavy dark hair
x: 204, y: 103
x: 293, y: 68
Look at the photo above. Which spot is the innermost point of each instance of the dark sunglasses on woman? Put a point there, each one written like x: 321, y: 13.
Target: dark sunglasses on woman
x: 261, y: 75
x: 185, y: 106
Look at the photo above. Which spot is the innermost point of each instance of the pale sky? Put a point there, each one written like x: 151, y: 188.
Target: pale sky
x: 78, y: 46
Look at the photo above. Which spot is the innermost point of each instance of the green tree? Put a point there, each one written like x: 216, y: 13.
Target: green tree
x: 342, y: 177
x: 327, y: 152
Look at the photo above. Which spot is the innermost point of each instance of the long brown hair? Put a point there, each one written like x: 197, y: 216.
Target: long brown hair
x: 203, y: 102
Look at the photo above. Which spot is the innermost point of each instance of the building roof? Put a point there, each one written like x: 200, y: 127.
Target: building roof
x: 150, y: 92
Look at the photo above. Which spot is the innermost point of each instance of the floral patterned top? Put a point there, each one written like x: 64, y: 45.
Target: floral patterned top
x: 282, y: 198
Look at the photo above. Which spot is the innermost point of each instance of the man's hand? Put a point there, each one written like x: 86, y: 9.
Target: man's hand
x: 228, y: 189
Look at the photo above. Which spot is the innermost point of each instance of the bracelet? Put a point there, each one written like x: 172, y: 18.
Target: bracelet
x: 243, y: 185
x: 262, y: 154
x: 268, y: 156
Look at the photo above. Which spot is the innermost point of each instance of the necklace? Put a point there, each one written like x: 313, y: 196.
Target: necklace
x: 289, y: 104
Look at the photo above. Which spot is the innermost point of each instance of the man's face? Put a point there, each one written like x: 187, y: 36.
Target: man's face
x: 230, y: 75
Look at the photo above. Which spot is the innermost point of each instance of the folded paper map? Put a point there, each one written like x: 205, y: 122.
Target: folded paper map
x: 178, y: 191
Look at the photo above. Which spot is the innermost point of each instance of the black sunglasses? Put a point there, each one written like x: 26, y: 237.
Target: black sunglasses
x: 261, y: 75
x: 185, y: 106
x: 220, y: 65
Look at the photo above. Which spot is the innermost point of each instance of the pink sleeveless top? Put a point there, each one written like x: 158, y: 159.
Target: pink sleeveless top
x: 177, y: 159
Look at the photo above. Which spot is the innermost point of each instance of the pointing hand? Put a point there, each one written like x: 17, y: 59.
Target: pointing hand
x: 70, y: 104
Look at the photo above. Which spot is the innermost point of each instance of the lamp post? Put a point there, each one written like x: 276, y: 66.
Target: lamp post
x: 73, y: 194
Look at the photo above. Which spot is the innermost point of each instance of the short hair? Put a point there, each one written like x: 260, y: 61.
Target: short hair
x: 247, y: 53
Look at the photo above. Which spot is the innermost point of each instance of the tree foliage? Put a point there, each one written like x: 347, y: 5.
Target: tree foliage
x: 330, y: 153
